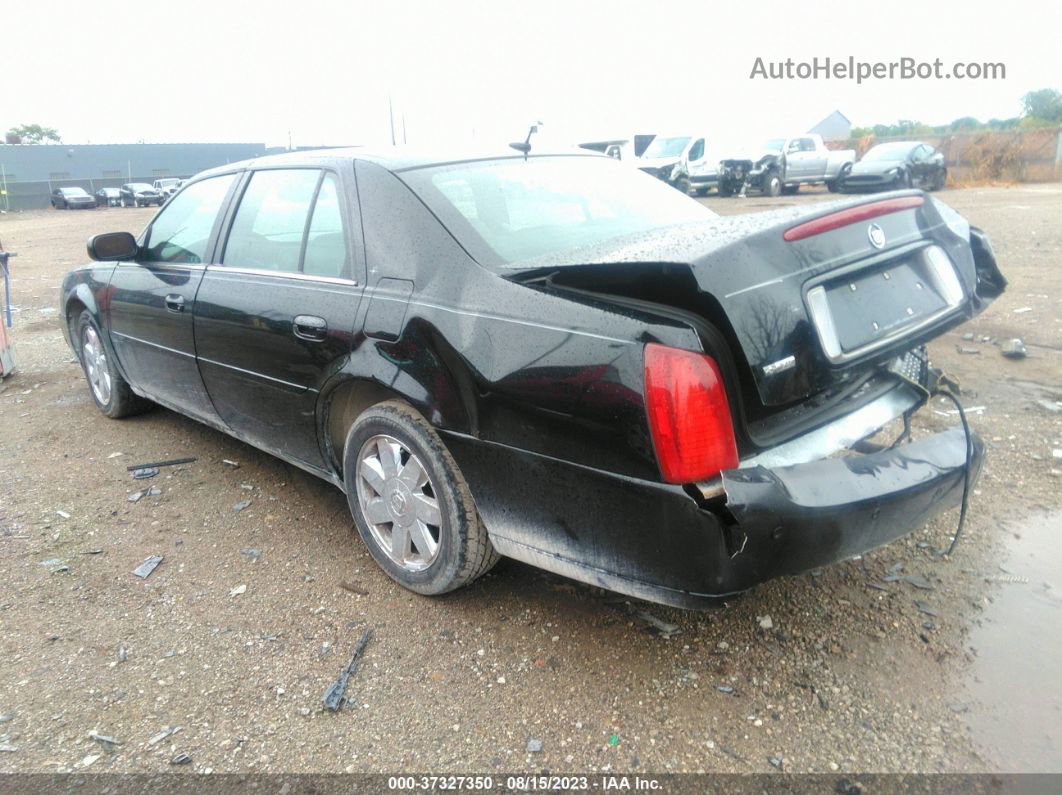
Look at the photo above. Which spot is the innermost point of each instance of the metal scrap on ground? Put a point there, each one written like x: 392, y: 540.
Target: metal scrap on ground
x: 144, y: 569
x: 157, y: 464
x: 334, y: 696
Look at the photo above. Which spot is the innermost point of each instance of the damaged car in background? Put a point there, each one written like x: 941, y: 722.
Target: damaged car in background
x: 897, y: 164
x: 783, y: 165
x: 550, y: 357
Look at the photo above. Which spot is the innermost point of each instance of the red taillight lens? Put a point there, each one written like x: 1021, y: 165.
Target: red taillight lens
x: 689, y: 416
x: 853, y: 215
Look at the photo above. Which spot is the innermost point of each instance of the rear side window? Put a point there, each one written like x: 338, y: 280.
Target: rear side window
x: 181, y: 231
x: 268, y: 229
x: 326, y: 246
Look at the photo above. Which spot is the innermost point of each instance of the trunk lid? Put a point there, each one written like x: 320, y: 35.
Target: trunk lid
x: 810, y: 297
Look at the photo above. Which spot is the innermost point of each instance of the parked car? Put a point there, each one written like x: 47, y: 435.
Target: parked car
x: 682, y: 161
x: 898, y: 164
x: 552, y: 358
x: 139, y: 194
x: 783, y: 165
x: 72, y: 199
x: 167, y: 186
x: 108, y: 197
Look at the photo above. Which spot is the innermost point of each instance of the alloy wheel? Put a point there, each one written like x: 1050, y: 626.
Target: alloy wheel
x: 96, y: 366
x: 399, y: 502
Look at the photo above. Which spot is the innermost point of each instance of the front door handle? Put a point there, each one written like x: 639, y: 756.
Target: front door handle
x: 174, y: 302
x: 309, y: 327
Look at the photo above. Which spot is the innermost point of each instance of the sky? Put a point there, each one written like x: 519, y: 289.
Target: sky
x: 459, y: 71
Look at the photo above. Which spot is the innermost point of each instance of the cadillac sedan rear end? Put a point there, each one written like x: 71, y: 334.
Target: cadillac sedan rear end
x: 806, y: 337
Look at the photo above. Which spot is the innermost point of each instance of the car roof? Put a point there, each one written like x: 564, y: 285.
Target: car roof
x: 398, y: 158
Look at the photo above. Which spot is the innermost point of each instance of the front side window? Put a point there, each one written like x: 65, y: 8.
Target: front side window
x: 697, y: 150
x: 268, y: 229
x: 181, y: 231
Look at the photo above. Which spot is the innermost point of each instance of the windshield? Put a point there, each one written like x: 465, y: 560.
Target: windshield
x: 165, y: 183
x: 897, y: 151
x: 140, y: 186
x: 774, y: 144
x: 74, y: 192
x: 666, y: 147
x: 506, y: 211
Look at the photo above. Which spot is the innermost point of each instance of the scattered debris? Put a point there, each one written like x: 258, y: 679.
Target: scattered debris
x: 917, y: 581
x: 7, y: 748
x: 63, y: 514
x: 534, y: 746
x: 61, y: 569
x: 108, y: 743
x: 664, y: 629
x: 241, y: 505
x: 958, y: 707
x: 1009, y: 579
x: 725, y: 689
x: 765, y: 622
x: 1013, y: 349
x: 969, y: 351
x: 878, y: 587
x: 349, y: 586
x: 334, y: 696
x: 51, y: 562
x: 926, y: 608
x: 1056, y: 453
x: 253, y: 553
x: 776, y: 761
x: 1053, y: 406
x: 1023, y: 310
x: 167, y: 731
x: 181, y: 759
x: 968, y: 336
x: 123, y: 653
x: 115, y: 455
x: 144, y: 569
x: 144, y: 474
x: 136, y: 496
x: 239, y: 589
x: 233, y: 464
x: 159, y: 464
x: 91, y: 552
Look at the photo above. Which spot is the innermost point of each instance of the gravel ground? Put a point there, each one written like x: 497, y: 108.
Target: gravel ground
x: 253, y: 613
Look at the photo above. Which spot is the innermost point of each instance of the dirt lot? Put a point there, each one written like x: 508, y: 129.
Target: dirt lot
x: 236, y: 635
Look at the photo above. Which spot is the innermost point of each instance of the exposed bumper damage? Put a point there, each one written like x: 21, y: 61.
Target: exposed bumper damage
x: 791, y: 509
x: 798, y: 517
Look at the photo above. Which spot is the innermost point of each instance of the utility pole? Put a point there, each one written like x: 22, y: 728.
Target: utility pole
x: 391, y: 115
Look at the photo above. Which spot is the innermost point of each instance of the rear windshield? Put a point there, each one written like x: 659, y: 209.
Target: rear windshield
x: 506, y: 211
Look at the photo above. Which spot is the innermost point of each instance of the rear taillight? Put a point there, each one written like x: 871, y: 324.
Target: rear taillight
x: 851, y: 215
x: 689, y: 416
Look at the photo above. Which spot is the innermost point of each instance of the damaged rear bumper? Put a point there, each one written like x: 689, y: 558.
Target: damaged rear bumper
x: 795, y: 518
x: 655, y: 541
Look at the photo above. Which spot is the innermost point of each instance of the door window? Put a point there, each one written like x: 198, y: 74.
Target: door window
x: 326, y: 247
x: 697, y: 150
x: 181, y: 231
x: 268, y: 229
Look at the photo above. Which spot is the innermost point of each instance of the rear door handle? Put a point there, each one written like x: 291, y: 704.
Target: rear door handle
x: 174, y: 302
x: 310, y: 327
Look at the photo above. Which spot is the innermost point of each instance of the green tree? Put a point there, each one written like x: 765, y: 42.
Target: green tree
x: 1045, y: 104
x: 32, y: 134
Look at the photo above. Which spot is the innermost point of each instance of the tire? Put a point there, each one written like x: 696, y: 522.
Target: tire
x: 726, y: 189
x: 771, y: 184
x: 831, y: 185
x: 701, y: 191
x: 791, y: 190
x: 392, y: 431
x: 939, y: 180
x: 683, y: 186
x: 108, y: 389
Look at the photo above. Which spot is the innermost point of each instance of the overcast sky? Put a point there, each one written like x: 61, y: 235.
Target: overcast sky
x: 119, y: 72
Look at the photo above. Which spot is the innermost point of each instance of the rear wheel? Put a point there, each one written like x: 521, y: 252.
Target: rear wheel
x: 411, y: 505
x: 791, y: 190
x: 110, y: 391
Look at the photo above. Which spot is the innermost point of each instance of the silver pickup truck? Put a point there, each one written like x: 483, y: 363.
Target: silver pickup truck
x: 783, y: 165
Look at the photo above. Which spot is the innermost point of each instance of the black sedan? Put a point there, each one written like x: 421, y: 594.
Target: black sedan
x: 72, y: 199
x: 902, y: 164
x: 108, y: 197
x: 139, y: 194
x: 552, y: 358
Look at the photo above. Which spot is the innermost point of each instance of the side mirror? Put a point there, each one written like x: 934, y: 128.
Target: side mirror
x: 112, y: 246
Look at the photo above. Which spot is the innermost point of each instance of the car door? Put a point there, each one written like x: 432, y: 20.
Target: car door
x: 275, y: 318
x: 920, y: 164
x: 151, y: 300
x: 57, y: 198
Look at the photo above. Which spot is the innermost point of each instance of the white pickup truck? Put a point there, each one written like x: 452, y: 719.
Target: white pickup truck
x: 783, y: 165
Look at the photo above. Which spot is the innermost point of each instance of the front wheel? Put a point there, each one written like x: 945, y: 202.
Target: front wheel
x: 772, y: 184
x: 109, y: 390
x: 412, y: 507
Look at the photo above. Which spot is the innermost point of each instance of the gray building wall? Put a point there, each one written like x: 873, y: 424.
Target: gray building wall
x: 834, y: 127
x: 31, y: 171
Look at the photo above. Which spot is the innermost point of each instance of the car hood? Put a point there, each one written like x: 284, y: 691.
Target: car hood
x: 874, y: 167
x: 655, y: 162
